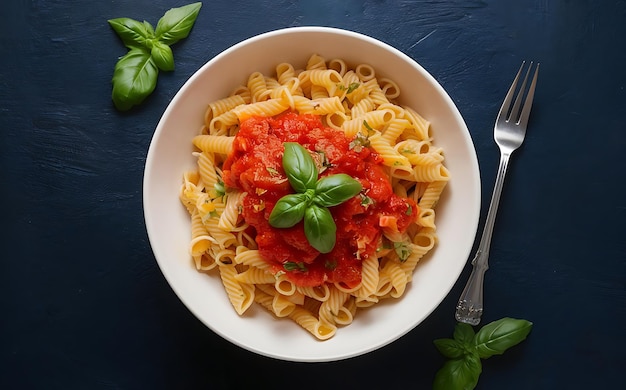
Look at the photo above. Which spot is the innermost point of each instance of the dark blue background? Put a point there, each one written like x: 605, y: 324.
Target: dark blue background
x: 83, y: 304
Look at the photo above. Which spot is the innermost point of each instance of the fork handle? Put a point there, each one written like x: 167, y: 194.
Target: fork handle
x: 470, y: 306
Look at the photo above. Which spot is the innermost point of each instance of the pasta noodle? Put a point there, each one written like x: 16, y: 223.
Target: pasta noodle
x: 362, y: 105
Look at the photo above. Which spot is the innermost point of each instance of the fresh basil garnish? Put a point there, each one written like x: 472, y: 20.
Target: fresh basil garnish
x: 466, y: 349
x: 135, y: 75
x: 320, y: 228
x: 288, y: 211
x: 335, y: 189
x: 299, y: 166
x: 312, y: 198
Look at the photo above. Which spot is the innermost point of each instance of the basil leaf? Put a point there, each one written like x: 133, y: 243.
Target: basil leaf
x: 299, y: 167
x: 320, y: 228
x: 162, y: 56
x: 450, y: 348
x: 149, y: 28
x: 177, y: 23
x: 464, y: 334
x: 500, y: 335
x: 132, y: 32
x: 335, y: 189
x: 134, y: 78
x: 459, y: 374
x: 288, y: 211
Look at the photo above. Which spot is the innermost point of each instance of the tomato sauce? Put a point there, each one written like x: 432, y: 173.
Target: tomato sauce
x: 255, y: 166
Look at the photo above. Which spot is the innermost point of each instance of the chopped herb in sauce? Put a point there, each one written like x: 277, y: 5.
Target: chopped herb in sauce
x: 294, y: 266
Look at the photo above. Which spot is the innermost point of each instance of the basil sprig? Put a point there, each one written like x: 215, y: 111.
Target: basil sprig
x: 312, y: 198
x: 135, y: 74
x: 466, y: 349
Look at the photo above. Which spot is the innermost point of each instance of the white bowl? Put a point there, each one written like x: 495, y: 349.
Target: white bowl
x: 168, y: 223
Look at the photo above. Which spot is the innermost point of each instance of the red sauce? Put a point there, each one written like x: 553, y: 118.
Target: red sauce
x: 255, y: 166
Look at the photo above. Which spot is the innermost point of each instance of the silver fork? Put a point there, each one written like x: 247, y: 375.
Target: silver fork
x: 509, y: 132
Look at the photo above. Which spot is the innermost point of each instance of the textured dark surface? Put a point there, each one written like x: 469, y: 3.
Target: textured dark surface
x: 83, y: 304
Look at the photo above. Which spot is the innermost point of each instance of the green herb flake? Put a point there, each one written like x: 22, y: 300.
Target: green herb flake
x: 366, y: 201
x: 330, y: 264
x: 402, y: 250
x: 294, y: 266
x: 220, y: 189
x: 370, y: 131
x: 359, y: 142
x: 324, y: 158
x: 352, y: 87
x: 272, y: 171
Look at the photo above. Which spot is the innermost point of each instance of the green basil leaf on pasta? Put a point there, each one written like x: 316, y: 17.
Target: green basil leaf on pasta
x: 299, y: 167
x: 288, y: 211
x: 335, y: 189
x: 498, y: 336
x: 131, y: 32
x: 177, y: 23
x: 320, y: 228
x: 162, y: 55
x: 134, y: 78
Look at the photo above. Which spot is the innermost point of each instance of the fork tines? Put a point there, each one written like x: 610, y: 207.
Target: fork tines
x: 513, y: 114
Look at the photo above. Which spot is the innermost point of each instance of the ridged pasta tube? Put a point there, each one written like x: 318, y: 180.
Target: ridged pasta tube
x: 255, y: 275
x: 221, y: 106
x: 214, y: 143
x: 432, y: 193
x: 266, y: 108
x: 257, y: 86
x: 241, y: 295
x: 420, y: 125
x: 331, y: 80
x: 322, y: 106
x: 200, y: 239
x: 251, y: 258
